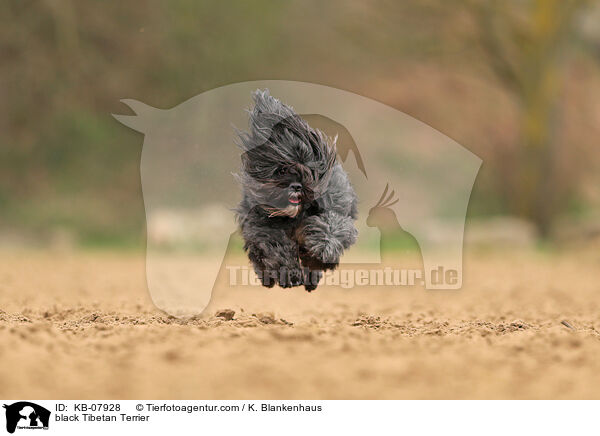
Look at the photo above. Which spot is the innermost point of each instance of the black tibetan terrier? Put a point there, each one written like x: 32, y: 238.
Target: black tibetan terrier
x: 298, y: 207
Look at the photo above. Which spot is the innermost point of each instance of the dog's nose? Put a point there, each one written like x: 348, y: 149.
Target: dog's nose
x: 296, y: 187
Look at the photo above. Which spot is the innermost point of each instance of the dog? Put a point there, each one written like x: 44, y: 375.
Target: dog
x: 298, y: 207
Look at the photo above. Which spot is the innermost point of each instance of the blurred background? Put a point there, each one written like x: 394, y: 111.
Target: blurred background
x: 516, y: 82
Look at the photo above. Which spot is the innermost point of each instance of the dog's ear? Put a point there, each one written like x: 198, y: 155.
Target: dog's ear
x: 261, y: 99
x: 265, y: 105
x: 268, y: 110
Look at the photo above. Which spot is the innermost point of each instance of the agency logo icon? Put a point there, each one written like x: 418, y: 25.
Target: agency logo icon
x: 24, y: 415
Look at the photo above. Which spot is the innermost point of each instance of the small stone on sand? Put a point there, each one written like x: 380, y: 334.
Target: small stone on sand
x: 226, y: 314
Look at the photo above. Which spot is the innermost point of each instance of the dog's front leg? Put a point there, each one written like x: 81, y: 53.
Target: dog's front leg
x: 274, y: 256
x: 324, y: 238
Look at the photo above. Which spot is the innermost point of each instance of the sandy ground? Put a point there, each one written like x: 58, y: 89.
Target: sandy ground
x: 83, y: 326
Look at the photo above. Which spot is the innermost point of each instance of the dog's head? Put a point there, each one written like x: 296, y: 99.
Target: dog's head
x: 286, y: 164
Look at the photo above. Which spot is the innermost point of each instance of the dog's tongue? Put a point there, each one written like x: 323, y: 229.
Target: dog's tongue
x: 294, y: 200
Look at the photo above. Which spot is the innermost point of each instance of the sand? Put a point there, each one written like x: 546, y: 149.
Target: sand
x: 82, y: 326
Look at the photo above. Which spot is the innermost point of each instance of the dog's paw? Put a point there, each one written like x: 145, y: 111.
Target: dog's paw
x: 330, y: 252
x: 324, y: 251
x: 311, y: 279
x: 323, y: 247
x: 289, y: 277
x: 325, y: 237
x: 267, y: 278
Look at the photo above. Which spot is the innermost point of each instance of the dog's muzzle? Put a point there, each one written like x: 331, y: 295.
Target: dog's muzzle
x: 295, y: 198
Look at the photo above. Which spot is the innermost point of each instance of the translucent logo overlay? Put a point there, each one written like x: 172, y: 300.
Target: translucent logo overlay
x: 413, y: 183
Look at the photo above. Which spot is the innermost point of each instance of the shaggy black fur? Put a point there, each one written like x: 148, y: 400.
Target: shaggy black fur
x: 298, y: 207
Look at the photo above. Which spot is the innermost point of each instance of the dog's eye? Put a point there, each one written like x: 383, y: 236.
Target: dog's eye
x: 281, y: 171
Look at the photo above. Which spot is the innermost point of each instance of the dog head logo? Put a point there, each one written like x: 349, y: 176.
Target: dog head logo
x: 189, y: 158
x: 26, y: 415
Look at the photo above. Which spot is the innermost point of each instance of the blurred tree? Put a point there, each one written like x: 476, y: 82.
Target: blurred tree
x: 65, y: 64
x: 525, y: 42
